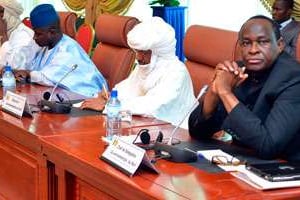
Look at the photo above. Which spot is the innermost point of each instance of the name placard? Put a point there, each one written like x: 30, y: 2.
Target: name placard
x: 125, y: 156
x: 15, y: 104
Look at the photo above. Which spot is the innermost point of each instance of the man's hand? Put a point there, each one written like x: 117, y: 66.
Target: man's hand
x: 22, y: 75
x: 228, y: 75
x: 96, y: 103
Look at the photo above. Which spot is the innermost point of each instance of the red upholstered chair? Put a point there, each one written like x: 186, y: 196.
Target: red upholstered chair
x: 85, y: 37
x: 68, y: 23
x: 298, y: 48
x: 112, y: 55
x: 204, y: 47
x: 27, y: 22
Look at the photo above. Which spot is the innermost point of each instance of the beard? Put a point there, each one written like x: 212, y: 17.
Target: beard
x: 150, y: 65
x: 147, y: 68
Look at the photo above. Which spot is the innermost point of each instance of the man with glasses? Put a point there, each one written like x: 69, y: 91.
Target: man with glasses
x: 258, y: 104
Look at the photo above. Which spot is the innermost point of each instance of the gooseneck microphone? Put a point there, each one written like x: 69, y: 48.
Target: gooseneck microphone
x: 169, y: 151
x: 62, y: 78
x: 201, y: 93
x: 48, y: 105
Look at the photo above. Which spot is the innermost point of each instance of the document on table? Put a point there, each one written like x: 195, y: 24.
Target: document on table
x: 208, y: 154
x: 240, y: 172
x: 261, y: 183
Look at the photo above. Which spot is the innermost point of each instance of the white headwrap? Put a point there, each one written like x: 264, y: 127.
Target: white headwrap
x: 12, y: 12
x: 154, y: 34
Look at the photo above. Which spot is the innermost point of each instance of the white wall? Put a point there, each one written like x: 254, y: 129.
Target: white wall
x: 28, y: 5
x: 229, y: 14
x: 140, y: 9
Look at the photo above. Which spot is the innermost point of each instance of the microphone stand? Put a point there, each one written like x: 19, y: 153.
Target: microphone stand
x: 56, y: 107
x: 168, y: 151
x: 58, y: 82
x: 201, y: 93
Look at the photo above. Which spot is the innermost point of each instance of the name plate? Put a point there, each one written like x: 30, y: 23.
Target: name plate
x: 15, y: 104
x: 125, y: 156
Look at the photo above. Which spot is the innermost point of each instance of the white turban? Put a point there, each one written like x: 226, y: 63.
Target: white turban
x: 12, y: 12
x: 155, y: 35
x: 12, y: 7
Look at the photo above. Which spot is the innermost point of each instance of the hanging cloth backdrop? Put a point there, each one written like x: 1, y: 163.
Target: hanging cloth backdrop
x: 296, y: 14
x: 93, y: 8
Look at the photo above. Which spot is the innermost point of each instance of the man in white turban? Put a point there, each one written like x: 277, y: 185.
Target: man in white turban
x: 17, y: 47
x: 160, y: 85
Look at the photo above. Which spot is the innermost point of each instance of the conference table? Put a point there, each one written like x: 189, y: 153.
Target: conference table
x: 57, y: 156
x: 24, y: 168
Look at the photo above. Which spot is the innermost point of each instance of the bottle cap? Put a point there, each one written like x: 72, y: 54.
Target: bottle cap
x: 7, y: 68
x: 114, y: 93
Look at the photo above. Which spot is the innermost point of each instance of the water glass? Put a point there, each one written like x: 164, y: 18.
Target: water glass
x: 126, y: 120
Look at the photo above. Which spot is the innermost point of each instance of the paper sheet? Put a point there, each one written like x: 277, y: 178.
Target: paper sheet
x: 77, y: 105
x: 208, y: 154
x: 260, y: 183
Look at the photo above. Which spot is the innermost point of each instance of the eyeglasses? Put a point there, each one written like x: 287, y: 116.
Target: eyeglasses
x: 224, y: 160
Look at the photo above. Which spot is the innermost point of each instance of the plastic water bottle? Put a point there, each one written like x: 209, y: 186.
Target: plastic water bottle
x: 113, y: 122
x: 8, y: 80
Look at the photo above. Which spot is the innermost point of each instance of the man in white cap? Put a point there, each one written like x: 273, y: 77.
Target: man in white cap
x: 18, y: 47
x: 160, y: 85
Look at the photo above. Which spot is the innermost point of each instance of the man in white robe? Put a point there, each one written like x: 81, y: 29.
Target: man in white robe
x: 58, y: 55
x: 18, y: 47
x: 160, y: 85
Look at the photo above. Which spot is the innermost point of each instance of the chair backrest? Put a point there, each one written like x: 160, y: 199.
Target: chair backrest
x: 298, y: 48
x: 27, y: 22
x: 85, y: 37
x: 68, y: 23
x: 112, y: 55
x: 204, y: 47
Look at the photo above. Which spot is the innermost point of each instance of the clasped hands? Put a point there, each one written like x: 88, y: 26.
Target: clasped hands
x: 228, y: 75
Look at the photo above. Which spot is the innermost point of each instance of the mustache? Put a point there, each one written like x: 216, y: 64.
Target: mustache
x: 142, y: 62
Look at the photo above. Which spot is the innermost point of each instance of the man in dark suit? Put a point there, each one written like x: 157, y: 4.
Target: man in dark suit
x: 258, y: 104
x: 290, y: 29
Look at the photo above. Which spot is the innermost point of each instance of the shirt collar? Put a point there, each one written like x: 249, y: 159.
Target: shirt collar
x: 283, y: 24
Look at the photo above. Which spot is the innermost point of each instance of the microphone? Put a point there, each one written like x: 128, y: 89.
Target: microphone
x: 58, y: 82
x: 48, y: 105
x: 168, y: 150
x: 201, y: 93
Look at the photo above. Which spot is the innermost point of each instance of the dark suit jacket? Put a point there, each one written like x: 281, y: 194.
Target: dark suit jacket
x: 267, y: 119
x: 290, y: 35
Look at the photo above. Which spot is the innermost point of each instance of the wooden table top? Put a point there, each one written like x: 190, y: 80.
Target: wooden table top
x: 27, y: 130
x: 81, y: 152
x: 74, y: 143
